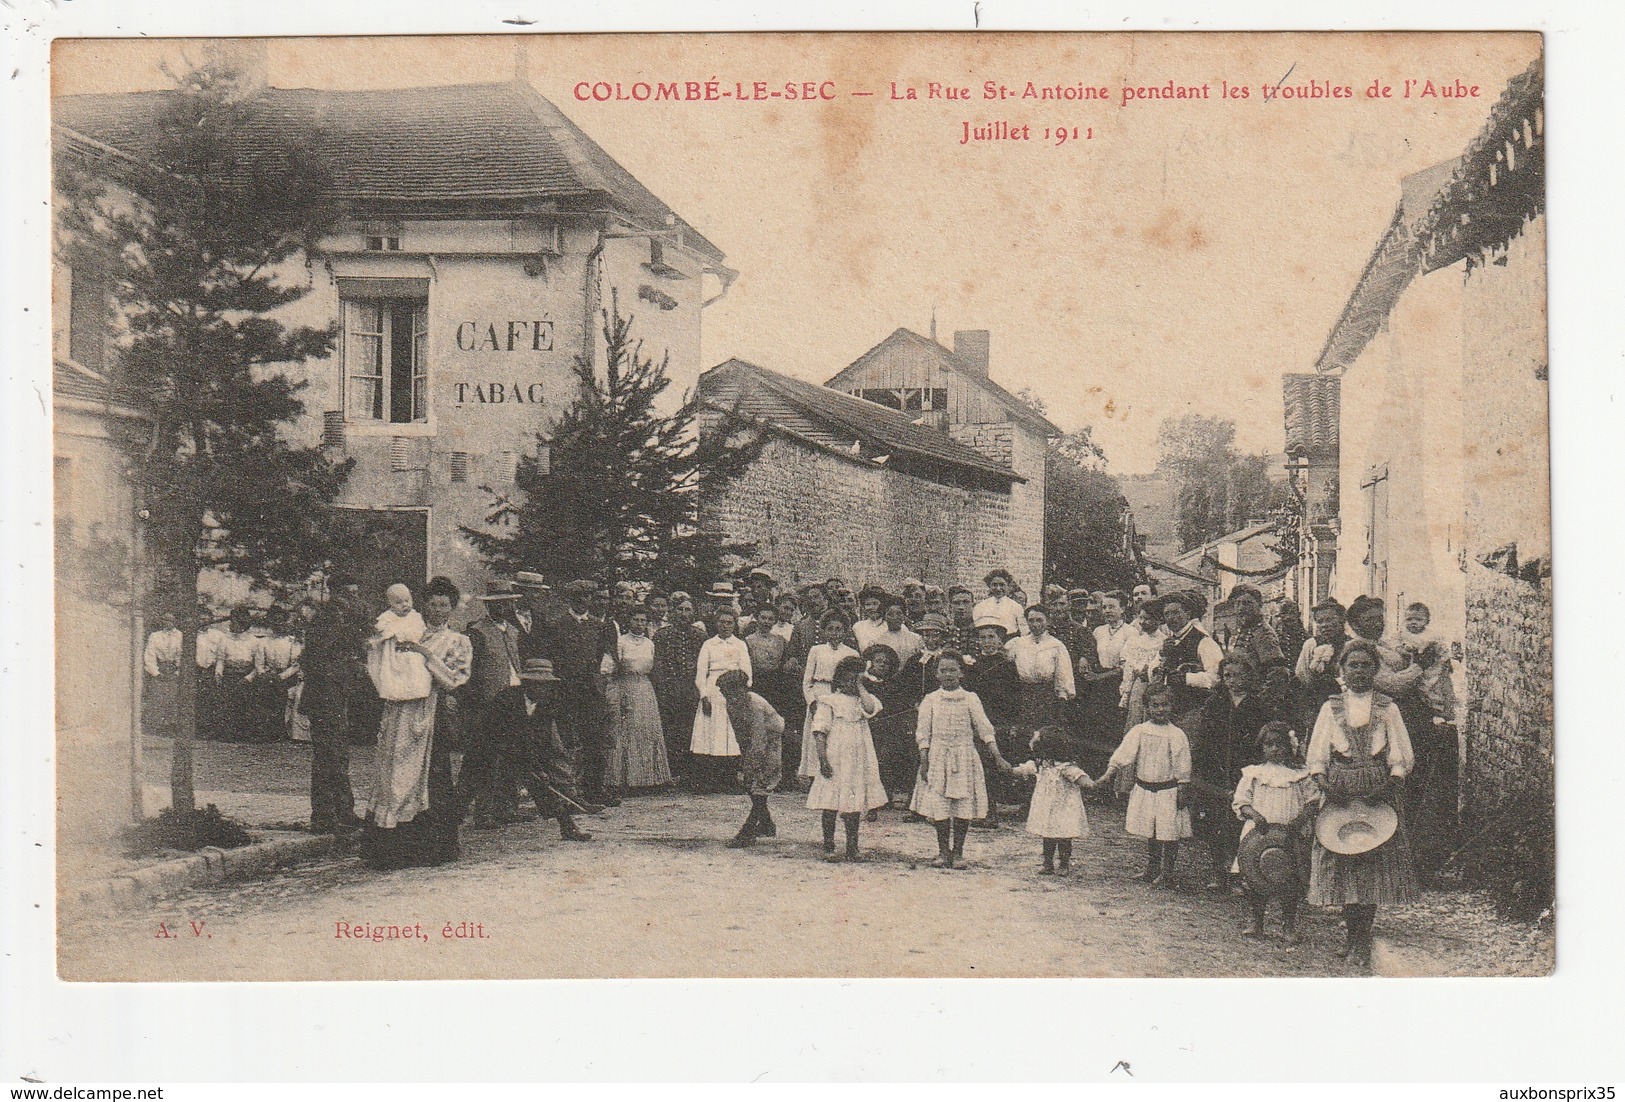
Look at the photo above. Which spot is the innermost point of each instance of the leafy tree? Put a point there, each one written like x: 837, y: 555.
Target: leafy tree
x: 1217, y: 488
x: 190, y: 245
x: 1085, y: 517
x: 619, y: 497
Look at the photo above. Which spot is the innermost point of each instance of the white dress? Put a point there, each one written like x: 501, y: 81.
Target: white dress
x: 817, y: 680
x: 1275, y: 790
x: 714, y: 734
x: 1159, y: 753
x: 856, y: 785
x: 954, y: 785
x: 1057, y: 809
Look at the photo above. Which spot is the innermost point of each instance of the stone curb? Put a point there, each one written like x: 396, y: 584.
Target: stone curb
x: 209, y: 865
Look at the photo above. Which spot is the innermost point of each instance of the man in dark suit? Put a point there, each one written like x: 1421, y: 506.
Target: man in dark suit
x: 495, y: 701
x: 578, y: 644
x: 333, y: 663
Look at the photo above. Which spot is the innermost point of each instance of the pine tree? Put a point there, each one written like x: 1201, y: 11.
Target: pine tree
x: 190, y: 241
x: 619, y: 498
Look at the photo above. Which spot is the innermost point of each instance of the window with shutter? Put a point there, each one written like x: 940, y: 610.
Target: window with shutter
x: 386, y: 354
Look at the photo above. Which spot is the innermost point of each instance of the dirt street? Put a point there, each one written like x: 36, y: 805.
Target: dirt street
x: 657, y: 894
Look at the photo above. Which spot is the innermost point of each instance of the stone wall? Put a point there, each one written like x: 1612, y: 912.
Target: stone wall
x: 1509, y: 687
x: 1023, y: 452
x: 1508, y: 727
x: 813, y: 514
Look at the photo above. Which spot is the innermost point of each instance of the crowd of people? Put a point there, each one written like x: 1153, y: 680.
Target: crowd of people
x: 1311, y: 766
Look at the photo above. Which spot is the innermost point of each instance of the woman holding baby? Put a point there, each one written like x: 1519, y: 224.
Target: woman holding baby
x: 414, y: 660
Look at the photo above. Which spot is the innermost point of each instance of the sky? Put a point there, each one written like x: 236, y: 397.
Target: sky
x: 1180, y: 259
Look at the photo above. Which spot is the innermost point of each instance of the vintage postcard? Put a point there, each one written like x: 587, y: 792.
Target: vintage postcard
x: 802, y: 505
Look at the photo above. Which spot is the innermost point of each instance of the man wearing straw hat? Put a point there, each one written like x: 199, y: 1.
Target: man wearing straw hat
x: 494, y: 696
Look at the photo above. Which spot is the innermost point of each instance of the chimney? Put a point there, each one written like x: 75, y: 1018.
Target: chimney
x: 971, y: 349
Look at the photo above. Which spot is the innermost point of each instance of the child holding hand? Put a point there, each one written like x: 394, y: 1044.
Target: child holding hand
x: 1160, y: 756
x: 952, y: 786
x: 1056, y: 813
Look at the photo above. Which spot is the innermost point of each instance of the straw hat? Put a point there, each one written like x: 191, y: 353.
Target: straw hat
x: 498, y: 590
x: 933, y: 622
x: 1266, y: 859
x: 722, y: 591
x: 989, y: 620
x: 1359, y: 826
x: 529, y: 579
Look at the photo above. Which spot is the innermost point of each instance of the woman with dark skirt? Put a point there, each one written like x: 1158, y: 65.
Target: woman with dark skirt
x: 893, y: 728
x: 1360, y: 751
x: 239, y: 662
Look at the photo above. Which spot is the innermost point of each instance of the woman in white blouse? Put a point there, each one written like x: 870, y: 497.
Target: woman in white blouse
x: 713, y: 741
x: 1045, y: 669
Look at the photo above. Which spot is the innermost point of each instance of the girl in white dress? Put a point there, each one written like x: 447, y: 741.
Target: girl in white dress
x: 1276, y: 792
x: 818, y: 679
x: 1056, y: 813
x: 1160, y: 756
x: 713, y: 738
x: 952, y: 787
x: 848, y: 781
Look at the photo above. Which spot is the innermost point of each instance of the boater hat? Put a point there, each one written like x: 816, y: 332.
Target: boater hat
x: 529, y: 579
x: 1266, y: 859
x: 499, y: 591
x: 1359, y: 826
x: 722, y: 591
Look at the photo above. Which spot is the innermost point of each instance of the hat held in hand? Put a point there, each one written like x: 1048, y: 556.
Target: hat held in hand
x: 1359, y: 826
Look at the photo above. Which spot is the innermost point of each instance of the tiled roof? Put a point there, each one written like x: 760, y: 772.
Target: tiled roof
x: 502, y: 146
x: 1020, y: 410
x: 1313, y: 405
x: 1500, y: 180
x: 1394, y: 263
x: 838, y: 422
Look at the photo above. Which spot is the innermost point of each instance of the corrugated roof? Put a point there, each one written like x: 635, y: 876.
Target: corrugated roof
x: 1313, y: 405
x: 1020, y: 410
x: 502, y: 145
x: 836, y: 421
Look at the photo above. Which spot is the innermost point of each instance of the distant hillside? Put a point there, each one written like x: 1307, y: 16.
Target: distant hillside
x: 1151, y: 499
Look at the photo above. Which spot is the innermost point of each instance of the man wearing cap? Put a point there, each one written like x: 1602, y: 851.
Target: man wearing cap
x: 333, y: 663
x: 544, y: 765
x: 495, y: 700
x: 913, y: 591
x: 761, y: 586
x: 919, y: 670
x: 581, y: 647
x: 1190, y: 659
x: 1254, y: 640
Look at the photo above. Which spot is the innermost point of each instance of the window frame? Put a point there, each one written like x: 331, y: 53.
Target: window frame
x: 382, y: 377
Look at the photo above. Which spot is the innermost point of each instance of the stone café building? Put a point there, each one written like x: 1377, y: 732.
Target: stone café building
x: 484, y: 233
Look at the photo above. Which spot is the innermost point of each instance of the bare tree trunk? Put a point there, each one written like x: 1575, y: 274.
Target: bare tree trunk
x: 183, y: 573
